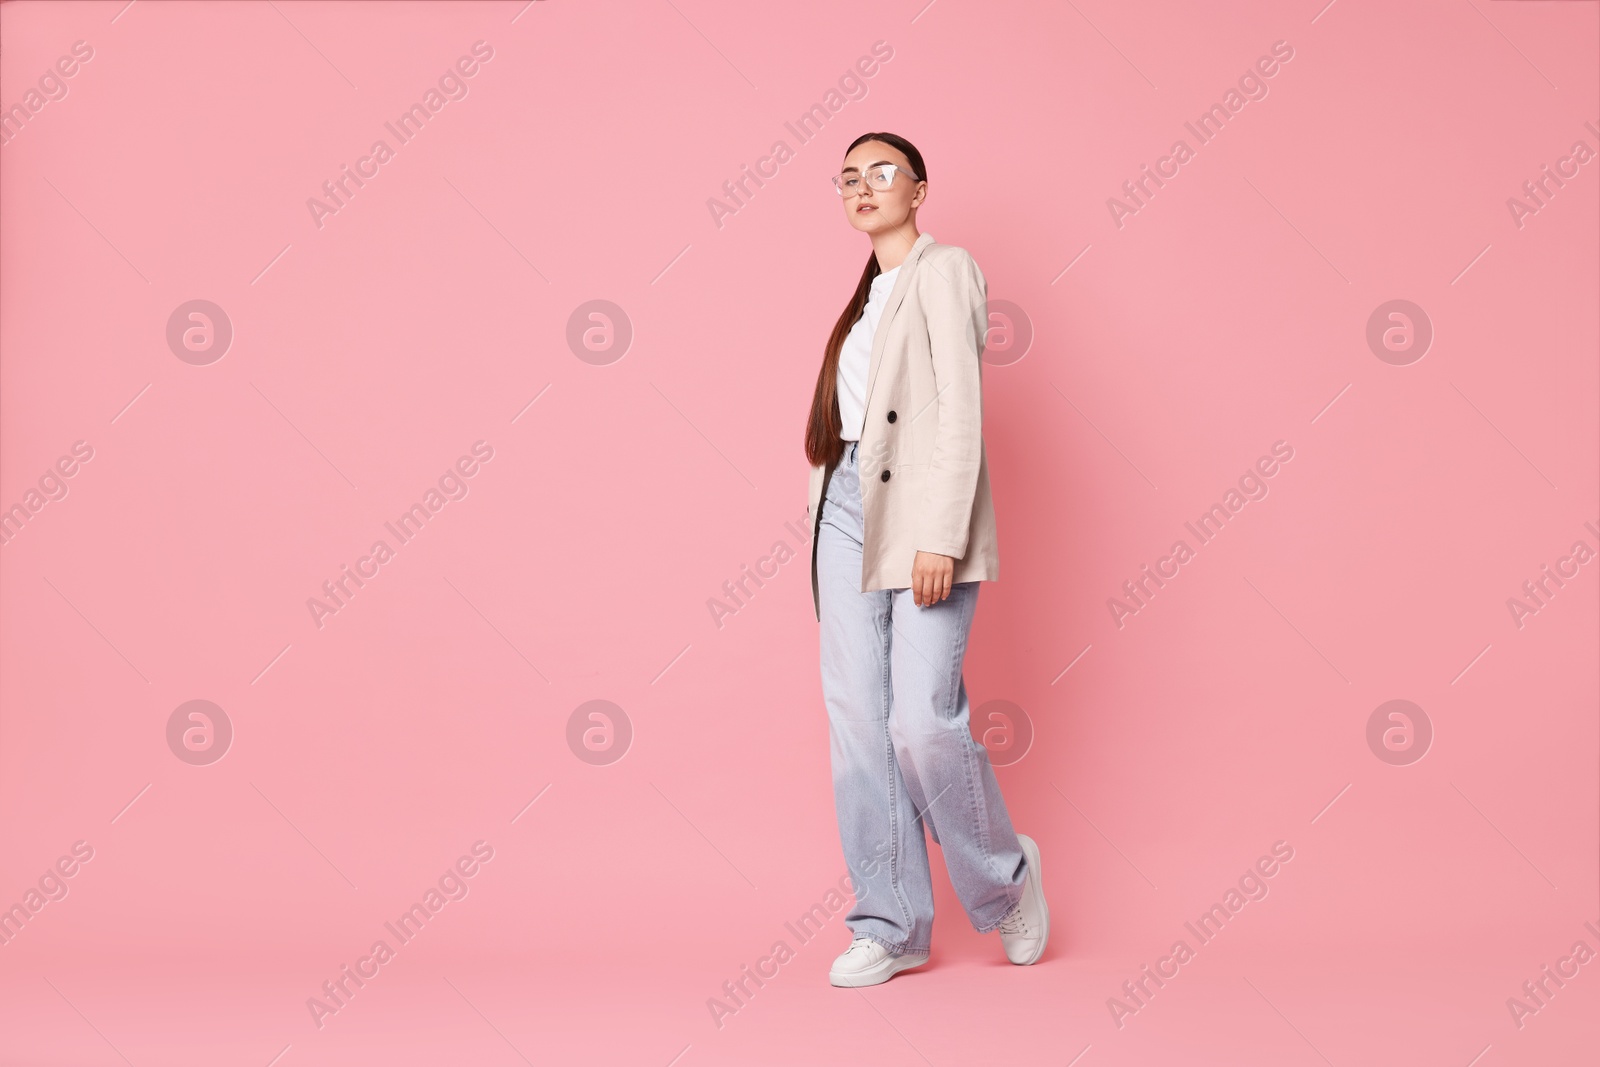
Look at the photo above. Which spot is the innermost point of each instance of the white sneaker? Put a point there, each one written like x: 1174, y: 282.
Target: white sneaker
x: 866, y: 962
x: 1026, y: 927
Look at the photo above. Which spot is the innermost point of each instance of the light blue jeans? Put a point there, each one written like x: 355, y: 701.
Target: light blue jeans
x: 903, y: 754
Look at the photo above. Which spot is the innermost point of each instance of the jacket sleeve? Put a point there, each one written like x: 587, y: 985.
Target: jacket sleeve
x: 954, y: 297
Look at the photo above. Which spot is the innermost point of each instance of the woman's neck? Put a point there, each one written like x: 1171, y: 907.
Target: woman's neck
x: 893, y: 246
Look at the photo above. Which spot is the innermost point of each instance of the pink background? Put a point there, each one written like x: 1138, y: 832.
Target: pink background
x: 1168, y: 354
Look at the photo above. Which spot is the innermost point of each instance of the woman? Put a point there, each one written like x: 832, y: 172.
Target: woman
x: 903, y: 532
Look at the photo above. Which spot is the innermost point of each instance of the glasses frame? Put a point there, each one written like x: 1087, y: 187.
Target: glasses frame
x: 892, y: 168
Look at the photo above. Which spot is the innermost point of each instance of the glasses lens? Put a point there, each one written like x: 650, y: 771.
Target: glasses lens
x: 881, y: 177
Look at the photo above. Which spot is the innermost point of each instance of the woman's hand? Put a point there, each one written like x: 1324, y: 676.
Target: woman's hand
x: 930, y: 577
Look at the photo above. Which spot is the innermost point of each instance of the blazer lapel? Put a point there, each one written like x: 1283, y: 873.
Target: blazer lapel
x: 902, y: 285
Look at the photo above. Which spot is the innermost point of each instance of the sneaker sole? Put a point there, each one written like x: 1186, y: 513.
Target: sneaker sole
x: 1035, y: 886
x: 891, y: 966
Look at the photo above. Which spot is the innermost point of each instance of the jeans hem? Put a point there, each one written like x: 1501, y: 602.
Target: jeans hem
x: 996, y: 924
x: 896, y: 948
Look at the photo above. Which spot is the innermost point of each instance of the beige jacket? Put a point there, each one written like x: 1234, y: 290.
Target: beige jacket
x: 924, y: 474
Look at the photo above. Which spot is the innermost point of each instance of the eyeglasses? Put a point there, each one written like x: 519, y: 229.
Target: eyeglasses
x: 879, y: 178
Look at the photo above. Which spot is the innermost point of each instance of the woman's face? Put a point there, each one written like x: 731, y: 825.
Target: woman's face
x: 874, y: 210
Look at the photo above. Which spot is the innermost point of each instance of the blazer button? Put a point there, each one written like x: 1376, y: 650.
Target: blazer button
x: 892, y: 416
x: 885, y: 475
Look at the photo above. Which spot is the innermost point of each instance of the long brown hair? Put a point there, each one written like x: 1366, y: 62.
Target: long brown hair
x: 823, y: 444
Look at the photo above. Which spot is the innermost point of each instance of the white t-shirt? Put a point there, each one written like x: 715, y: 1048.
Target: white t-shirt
x: 856, y: 355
